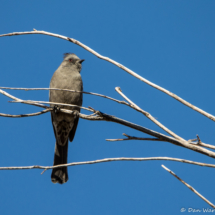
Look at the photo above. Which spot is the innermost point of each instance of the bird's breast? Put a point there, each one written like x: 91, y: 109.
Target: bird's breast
x: 69, y: 81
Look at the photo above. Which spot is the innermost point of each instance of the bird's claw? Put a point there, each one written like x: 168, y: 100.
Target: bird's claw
x: 56, y: 108
x: 75, y: 113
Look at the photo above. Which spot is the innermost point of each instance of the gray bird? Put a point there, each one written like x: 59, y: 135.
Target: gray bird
x: 67, y: 76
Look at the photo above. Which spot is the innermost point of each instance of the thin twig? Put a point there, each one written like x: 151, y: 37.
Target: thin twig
x: 20, y: 100
x: 159, y: 139
x: 54, y: 103
x: 134, y: 138
x: 109, y: 160
x: 26, y: 115
x: 190, y: 187
x: 148, y: 115
x: 74, y: 91
x: 200, y: 143
x: 83, y: 116
x: 43, y: 171
x: 119, y: 65
x: 206, y: 145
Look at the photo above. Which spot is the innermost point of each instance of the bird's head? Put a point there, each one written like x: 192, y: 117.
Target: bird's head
x: 72, y: 60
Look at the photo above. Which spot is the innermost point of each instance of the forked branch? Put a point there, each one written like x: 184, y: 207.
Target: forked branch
x: 105, y: 117
x: 210, y: 116
x: 148, y: 115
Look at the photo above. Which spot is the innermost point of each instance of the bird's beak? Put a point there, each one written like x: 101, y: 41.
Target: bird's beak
x: 81, y: 61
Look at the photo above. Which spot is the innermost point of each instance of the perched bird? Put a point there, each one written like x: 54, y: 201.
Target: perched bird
x: 67, y: 76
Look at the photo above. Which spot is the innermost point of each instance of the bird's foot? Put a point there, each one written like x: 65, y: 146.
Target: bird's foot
x: 56, y: 108
x: 75, y: 113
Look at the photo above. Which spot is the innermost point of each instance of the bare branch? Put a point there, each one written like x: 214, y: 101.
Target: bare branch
x: 190, y: 187
x: 116, y: 64
x: 109, y: 160
x: 74, y: 91
x: 100, y: 116
x: 158, y: 135
x: 159, y: 139
x: 26, y: 115
x: 83, y: 116
x: 148, y: 115
x: 20, y: 100
x: 106, y: 117
x: 200, y: 143
x: 36, y: 103
x: 54, y: 103
x: 134, y: 138
x: 206, y: 145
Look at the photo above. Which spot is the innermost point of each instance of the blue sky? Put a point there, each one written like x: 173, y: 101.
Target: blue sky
x: 170, y: 43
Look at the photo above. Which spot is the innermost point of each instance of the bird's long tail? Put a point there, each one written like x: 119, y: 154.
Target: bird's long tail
x: 60, y: 175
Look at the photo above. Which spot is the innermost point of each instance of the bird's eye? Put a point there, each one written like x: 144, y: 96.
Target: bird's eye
x: 70, y: 60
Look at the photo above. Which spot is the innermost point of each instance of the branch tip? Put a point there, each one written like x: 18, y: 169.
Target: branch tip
x: 118, y: 89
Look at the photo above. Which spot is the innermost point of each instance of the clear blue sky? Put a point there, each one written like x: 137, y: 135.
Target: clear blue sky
x: 171, y: 43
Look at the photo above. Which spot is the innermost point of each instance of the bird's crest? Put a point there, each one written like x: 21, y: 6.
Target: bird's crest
x: 66, y: 54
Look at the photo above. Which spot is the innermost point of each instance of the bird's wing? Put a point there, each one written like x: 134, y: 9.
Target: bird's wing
x: 53, y: 125
x: 72, y: 132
